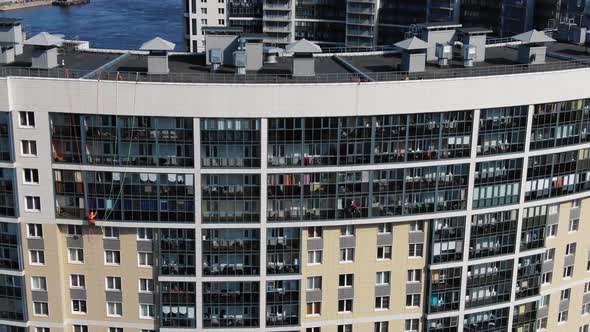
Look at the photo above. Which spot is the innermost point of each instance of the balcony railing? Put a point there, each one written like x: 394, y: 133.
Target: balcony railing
x: 222, y: 78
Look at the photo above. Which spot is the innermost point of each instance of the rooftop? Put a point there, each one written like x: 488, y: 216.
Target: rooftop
x: 366, y: 66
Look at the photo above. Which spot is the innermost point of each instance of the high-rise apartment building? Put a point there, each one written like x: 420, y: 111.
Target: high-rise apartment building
x: 329, y: 23
x: 351, y: 192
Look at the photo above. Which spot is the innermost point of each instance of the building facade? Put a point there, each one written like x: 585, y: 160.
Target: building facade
x: 393, y: 204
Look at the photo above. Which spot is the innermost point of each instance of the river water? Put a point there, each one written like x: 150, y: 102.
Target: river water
x: 122, y: 24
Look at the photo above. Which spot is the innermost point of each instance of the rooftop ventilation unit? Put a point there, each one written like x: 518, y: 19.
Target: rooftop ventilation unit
x: 433, y: 33
x: 44, y: 50
x: 444, y: 53
x: 158, y: 55
x: 240, y: 58
x: 469, y: 55
x: 303, y: 60
x: 475, y: 37
x: 11, y: 32
x: 271, y: 54
x: 216, y: 58
x: 571, y: 33
x: 533, y: 48
x: 414, y: 54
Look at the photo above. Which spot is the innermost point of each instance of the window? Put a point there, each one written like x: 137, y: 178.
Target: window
x: 145, y: 259
x: 112, y: 257
x: 415, y: 250
x: 585, y: 308
x: 27, y: 119
x: 345, y: 306
x: 587, y: 287
x: 35, y: 230
x: 345, y: 280
x: 40, y: 308
x: 568, y: 271
x: 28, y: 148
x: 414, y: 275
x: 565, y: 294
x: 384, y: 228
x: 42, y: 329
x: 576, y: 203
x: 146, y: 285
x: 384, y: 252
x: 381, y: 327
x: 412, y: 325
x: 345, y: 328
x: 77, y: 281
x: 382, y: 302
x: 314, y: 257
x: 573, y: 225
x: 413, y: 300
x: 542, y: 323
x: 562, y: 316
x: 570, y: 249
x: 221, y: 10
x: 39, y: 283
x: 76, y: 255
x: 74, y: 230
x: 584, y: 328
x: 314, y: 308
x: 346, y: 255
x: 146, y: 311
x: 314, y: 283
x: 314, y: 232
x: 79, y: 307
x: 115, y: 329
x: 203, y: 10
x: 113, y: 283
x: 31, y: 176
x: 417, y: 226
x: 347, y: 230
x: 110, y: 232
x: 221, y: 21
x: 114, y: 309
x: 37, y: 257
x: 546, y: 277
x: 544, y: 301
x: 383, y: 278
x: 146, y: 234
x: 552, y: 230
x: 549, y: 255
x: 33, y: 203
x: 313, y: 329
x: 80, y: 328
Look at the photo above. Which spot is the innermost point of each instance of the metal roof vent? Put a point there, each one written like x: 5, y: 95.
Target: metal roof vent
x: 414, y: 54
x: 303, y: 60
x: 444, y: 53
x: 44, y: 50
x: 240, y: 58
x: 469, y: 55
x: 216, y: 58
x: 533, y: 48
x: 11, y: 32
x: 271, y: 54
x: 571, y: 33
x: 475, y: 37
x: 158, y: 55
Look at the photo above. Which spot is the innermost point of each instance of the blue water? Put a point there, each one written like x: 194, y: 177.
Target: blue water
x: 122, y: 24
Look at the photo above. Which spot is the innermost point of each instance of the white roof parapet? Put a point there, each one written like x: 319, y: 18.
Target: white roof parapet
x: 44, y: 39
x: 533, y: 37
x: 412, y: 44
x: 303, y: 46
x: 157, y: 44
